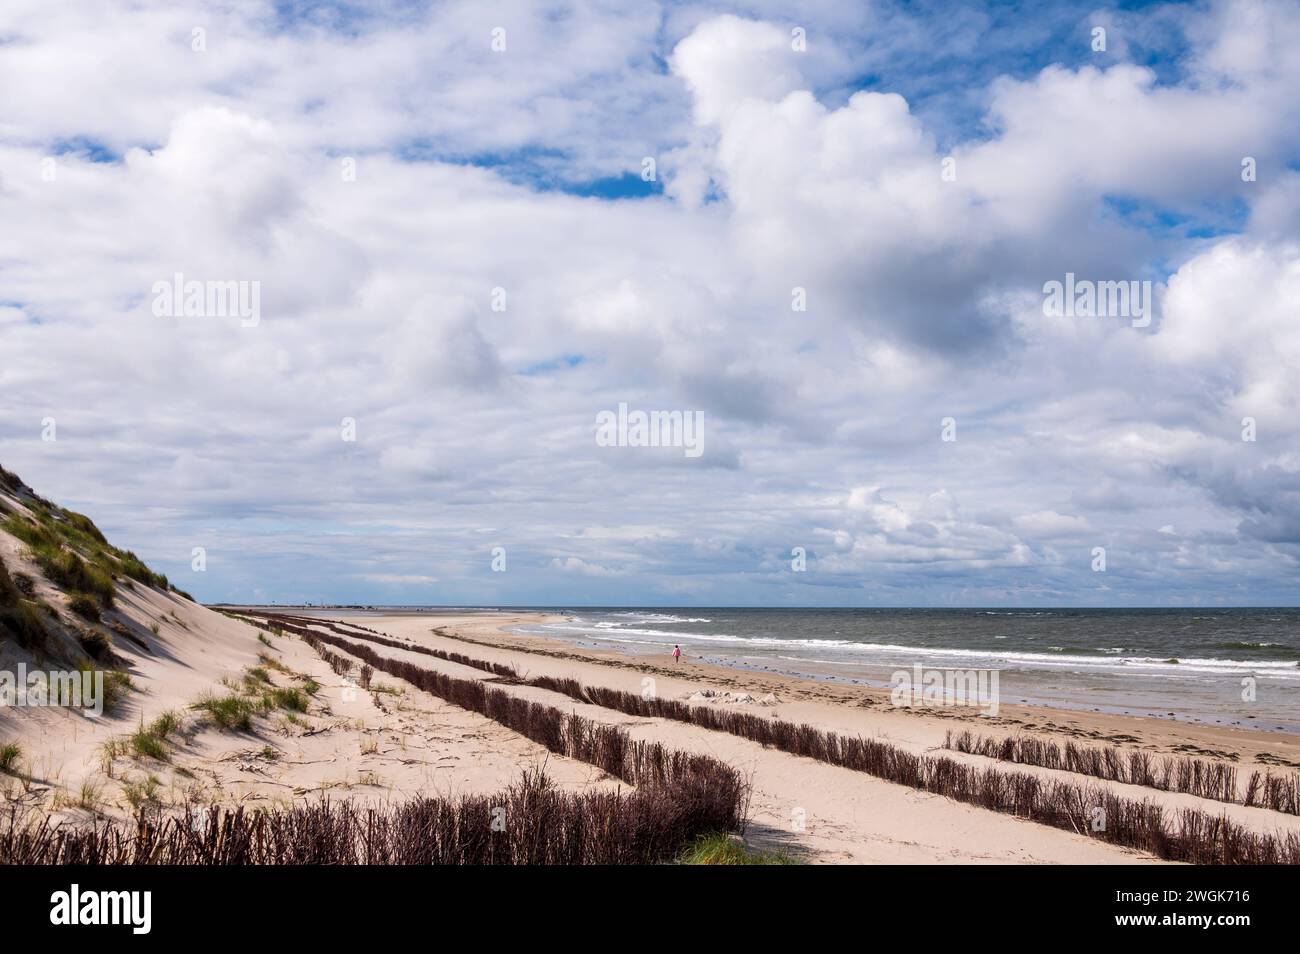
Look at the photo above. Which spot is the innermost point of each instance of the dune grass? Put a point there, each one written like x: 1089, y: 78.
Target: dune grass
x: 294, y: 700
x: 85, y: 606
x: 145, y: 744
x: 74, y: 554
x: 230, y: 713
x: 723, y: 849
x: 20, y: 618
x: 10, y: 753
x: 116, y: 686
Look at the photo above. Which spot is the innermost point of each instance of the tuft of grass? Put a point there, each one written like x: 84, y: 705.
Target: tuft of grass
x: 85, y: 606
x: 165, y: 725
x: 32, y: 532
x: 274, y: 664
x: 18, y: 615
x: 155, y: 628
x: 142, y: 793
x: 84, y: 525
x: 261, y: 638
x: 116, y: 686
x: 723, y: 849
x: 144, y: 744
x: 73, y: 573
x: 134, y: 568
x: 228, y: 712
x: 115, y: 748
x: 295, y: 700
x: 88, y: 797
x: 10, y: 753
x: 96, y: 645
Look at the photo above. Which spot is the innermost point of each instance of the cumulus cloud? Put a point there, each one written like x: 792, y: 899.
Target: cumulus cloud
x: 441, y: 262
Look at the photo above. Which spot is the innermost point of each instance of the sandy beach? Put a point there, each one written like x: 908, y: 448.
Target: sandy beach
x: 394, y: 741
x: 846, y: 817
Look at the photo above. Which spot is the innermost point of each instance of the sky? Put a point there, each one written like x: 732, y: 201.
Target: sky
x: 823, y: 231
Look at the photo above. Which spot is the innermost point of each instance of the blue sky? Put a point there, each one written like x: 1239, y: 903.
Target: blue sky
x: 842, y: 248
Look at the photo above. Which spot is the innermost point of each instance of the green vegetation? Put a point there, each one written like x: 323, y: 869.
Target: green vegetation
x: 134, y: 568
x: 10, y: 481
x: 75, y: 574
x: 228, y: 712
x: 145, y: 744
x: 88, y: 798
x: 84, y: 525
x: 19, y: 618
x: 72, y: 551
x: 10, y: 753
x: 116, y: 686
x: 293, y: 699
x: 255, y: 693
x: 141, y: 793
x: 165, y: 725
x: 96, y: 645
x: 722, y: 849
x: 85, y: 607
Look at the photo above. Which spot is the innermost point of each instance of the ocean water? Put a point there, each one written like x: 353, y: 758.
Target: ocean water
x: 1199, y: 665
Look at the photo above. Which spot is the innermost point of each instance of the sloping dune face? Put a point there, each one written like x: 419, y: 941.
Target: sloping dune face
x: 92, y: 642
x: 178, y: 704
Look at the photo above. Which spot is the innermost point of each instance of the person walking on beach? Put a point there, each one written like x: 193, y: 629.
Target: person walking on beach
x: 677, y: 654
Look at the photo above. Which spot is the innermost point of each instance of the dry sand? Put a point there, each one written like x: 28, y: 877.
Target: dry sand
x: 381, y: 746
x: 832, y: 814
x: 387, y: 745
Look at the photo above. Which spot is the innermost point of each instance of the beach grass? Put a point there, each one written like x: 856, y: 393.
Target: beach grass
x: 10, y: 753
x: 720, y: 848
x: 19, y: 615
x: 230, y: 713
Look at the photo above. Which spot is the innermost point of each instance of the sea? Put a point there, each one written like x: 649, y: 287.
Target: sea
x: 1235, y: 667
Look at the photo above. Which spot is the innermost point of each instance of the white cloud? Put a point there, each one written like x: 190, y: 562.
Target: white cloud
x: 823, y: 427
